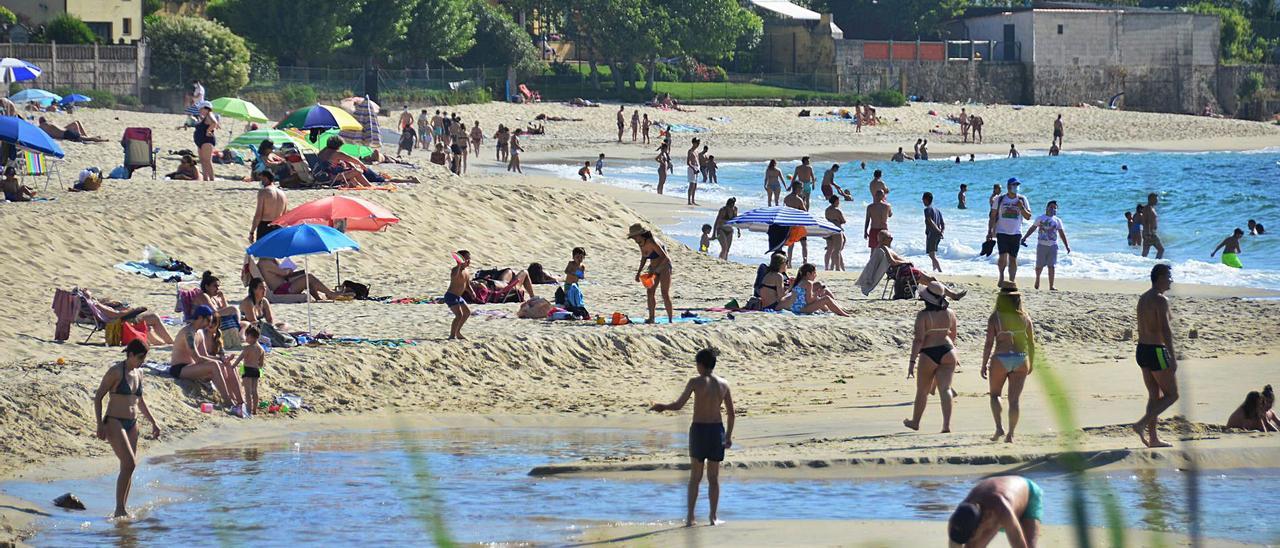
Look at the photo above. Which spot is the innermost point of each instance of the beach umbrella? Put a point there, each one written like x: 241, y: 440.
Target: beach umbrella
x: 38, y: 95
x: 343, y: 213
x: 254, y: 138
x: 75, y: 98
x: 349, y: 104
x: 17, y: 70
x: 351, y: 149
x: 304, y: 240
x: 319, y: 116
x: 368, y: 133
x: 237, y: 108
x: 20, y: 133
x: 760, y: 219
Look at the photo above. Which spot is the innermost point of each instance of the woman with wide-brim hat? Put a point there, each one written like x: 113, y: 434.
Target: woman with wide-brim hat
x: 934, y: 346
x: 1012, y: 334
x: 659, y: 269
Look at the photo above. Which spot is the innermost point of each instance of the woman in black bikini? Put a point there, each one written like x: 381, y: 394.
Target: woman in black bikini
x: 122, y: 385
x: 1012, y: 334
x: 205, y: 140
x: 935, y: 336
x: 651, y: 252
x: 775, y: 290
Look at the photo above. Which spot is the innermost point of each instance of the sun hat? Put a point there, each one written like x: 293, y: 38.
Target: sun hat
x: 933, y: 293
x: 636, y: 230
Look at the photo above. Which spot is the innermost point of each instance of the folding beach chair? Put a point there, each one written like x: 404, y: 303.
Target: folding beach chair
x: 904, y: 285
x: 34, y: 164
x: 138, y: 150
x: 529, y: 95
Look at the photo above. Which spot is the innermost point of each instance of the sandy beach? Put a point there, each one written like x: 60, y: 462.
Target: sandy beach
x: 817, y: 395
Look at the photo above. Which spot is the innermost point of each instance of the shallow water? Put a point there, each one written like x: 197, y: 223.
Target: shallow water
x: 358, y: 486
x: 1203, y: 197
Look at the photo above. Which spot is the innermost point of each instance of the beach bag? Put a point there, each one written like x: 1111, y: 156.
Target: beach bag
x: 534, y: 309
x: 559, y: 297
x: 360, y: 290
x: 275, y: 337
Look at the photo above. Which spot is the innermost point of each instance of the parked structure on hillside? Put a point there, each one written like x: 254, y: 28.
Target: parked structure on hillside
x: 114, y: 21
x: 796, y: 39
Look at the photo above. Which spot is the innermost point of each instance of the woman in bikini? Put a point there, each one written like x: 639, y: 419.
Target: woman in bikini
x: 255, y: 309
x: 773, y: 183
x: 211, y: 295
x: 122, y: 386
x: 775, y: 287
x: 935, y: 336
x: 1012, y: 334
x: 659, y: 262
x: 808, y: 296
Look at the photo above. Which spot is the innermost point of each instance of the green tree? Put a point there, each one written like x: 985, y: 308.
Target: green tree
x: 618, y: 32
x: 315, y: 28
x: 187, y: 48
x: 7, y: 17
x: 68, y: 29
x: 499, y: 40
x: 378, y: 25
x: 1236, y: 39
x: 708, y: 28
x: 442, y: 29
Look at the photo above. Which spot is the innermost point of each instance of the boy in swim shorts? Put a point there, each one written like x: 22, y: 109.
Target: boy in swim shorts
x: 459, y: 285
x: 252, y: 358
x: 1011, y: 503
x: 708, y: 436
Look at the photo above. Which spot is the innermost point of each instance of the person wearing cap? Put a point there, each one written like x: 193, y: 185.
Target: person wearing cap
x: 1009, y: 503
x: 205, y: 138
x: 1005, y: 226
x: 1011, y: 334
x: 1050, y: 228
x: 191, y: 360
x: 935, y: 335
x: 659, y: 270
x: 272, y: 203
x: 122, y: 387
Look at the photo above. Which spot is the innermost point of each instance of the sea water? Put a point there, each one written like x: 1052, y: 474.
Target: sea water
x: 1203, y: 197
x: 360, y: 487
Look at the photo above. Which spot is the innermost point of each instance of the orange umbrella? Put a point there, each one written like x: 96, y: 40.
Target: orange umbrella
x: 342, y: 212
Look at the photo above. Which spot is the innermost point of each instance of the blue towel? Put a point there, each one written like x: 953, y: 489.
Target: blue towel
x: 152, y: 271
x: 573, y: 296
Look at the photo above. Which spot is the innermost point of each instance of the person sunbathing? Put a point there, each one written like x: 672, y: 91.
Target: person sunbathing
x: 545, y: 118
x: 15, y: 191
x: 116, y: 310
x: 268, y: 160
x: 352, y: 171
x: 293, y: 282
x: 73, y: 132
x: 540, y: 129
x: 500, y: 278
x: 899, y: 267
x: 1250, y: 415
x: 186, y: 170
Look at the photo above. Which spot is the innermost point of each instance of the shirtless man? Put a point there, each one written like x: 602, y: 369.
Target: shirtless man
x: 702, y: 161
x: 74, y: 132
x: 878, y: 213
x: 1057, y: 132
x: 964, y: 125
x: 1151, y: 221
x: 1155, y: 354
x: 829, y: 186
x: 459, y: 286
x: 878, y: 184
x: 975, y: 127
x: 795, y: 200
x: 271, y: 205
x: 191, y: 360
x: 804, y: 176
x: 1009, y: 503
x: 708, y: 435
x: 690, y: 162
x: 622, y: 122
x: 961, y: 197
x: 1231, y: 244
x: 1013, y: 151
x: 406, y: 117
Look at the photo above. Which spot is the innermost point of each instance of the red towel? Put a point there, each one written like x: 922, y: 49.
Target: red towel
x: 66, y: 307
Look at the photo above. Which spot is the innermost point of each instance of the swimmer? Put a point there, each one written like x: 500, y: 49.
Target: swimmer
x: 1009, y: 503
x: 122, y: 386
x: 708, y: 435
x: 1255, y: 228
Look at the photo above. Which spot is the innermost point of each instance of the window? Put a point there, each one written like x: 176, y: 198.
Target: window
x: 128, y: 27
x: 1059, y: 28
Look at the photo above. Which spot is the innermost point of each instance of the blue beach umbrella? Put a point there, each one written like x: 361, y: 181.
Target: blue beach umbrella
x: 74, y: 98
x: 305, y: 240
x: 759, y: 220
x: 17, y: 70
x: 19, y: 132
x: 38, y: 95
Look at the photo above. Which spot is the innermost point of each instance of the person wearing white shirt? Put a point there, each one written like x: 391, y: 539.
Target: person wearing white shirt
x: 1005, y: 226
x: 1050, y: 228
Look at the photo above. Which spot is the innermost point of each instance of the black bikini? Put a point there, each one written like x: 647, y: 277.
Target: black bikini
x: 124, y: 390
x: 936, y: 353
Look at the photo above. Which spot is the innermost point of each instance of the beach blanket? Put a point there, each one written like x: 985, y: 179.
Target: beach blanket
x: 152, y: 271
x: 835, y: 119
x: 682, y: 128
x: 663, y: 319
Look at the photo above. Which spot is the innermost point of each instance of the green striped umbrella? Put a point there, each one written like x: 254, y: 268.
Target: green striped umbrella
x: 233, y: 107
x: 254, y: 138
x: 352, y: 149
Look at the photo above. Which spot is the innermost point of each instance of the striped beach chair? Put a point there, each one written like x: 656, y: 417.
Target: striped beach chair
x: 34, y: 164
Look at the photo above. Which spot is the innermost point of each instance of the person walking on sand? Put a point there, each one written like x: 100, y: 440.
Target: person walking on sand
x: 709, y: 436
x: 659, y: 271
x: 515, y: 150
x: 1050, y: 228
x: 272, y: 203
x: 1150, y: 222
x: 122, y: 386
x: 877, y: 220
x: 934, y: 225
x: 622, y: 121
x: 459, y: 287
x: 724, y: 232
x: 1012, y: 504
x: 1230, y: 246
x: 691, y: 163
x: 1057, y: 132
x: 1004, y: 225
x: 1012, y: 334
x: 773, y: 184
x: 1155, y: 354
x: 935, y: 335
x: 835, y: 243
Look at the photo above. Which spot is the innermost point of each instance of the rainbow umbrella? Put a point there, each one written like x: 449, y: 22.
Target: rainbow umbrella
x: 320, y: 116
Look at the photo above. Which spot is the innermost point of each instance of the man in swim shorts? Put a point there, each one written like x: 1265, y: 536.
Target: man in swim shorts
x: 877, y: 219
x: 691, y: 162
x: 1151, y: 221
x: 803, y: 176
x: 1011, y: 503
x: 1155, y: 354
x: 1229, y: 246
x: 1050, y: 229
x: 708, y: 436
x: 1005, y: 226
x: 459, y: 286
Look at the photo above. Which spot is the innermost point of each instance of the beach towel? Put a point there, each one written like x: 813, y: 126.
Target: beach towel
x: 682, y: 128
x: 152, y: 271
x: 65, y: 307
x: 185, y: 298
x: 663, y: 319
x: 874, y: 271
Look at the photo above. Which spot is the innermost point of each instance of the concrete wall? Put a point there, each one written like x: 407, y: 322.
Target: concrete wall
x: 1110, y: 38
x: 1228, y: 81
x: 112, y: 13
x: 118, y: 69
x: 933, y: 81
x: 1183, y: 89
x: 792, y: 45
x: 991, y: 28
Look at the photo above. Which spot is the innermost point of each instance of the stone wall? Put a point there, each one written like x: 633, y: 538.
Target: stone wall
x: 1182, y: 89
x: 933, y: 81
x: 1229, y: 78
x: 118, y: 69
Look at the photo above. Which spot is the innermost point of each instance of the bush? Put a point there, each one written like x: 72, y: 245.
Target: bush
x: 101, y: 98
x: 7, y: 17
x: 1251, y: 86
x: 664, y: 72
x: 187, y: 48
x: 128, y: 100
x: 68, y: 29
x: 887, y: 98
x: 262, y: 66
x: 298, y: 95
x: 718, y: 74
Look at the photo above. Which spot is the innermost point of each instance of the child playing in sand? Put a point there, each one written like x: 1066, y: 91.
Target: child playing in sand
x: 600, y: 164
x: 253, y: 357
x: 575, y: 271
x: 704, y: 246
x: 459, y: 285
x: 708, y: 436
x: 585, y: 172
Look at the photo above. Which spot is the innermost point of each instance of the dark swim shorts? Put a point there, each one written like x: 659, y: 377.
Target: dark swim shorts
x: 1152, y: 356
x: 706, y: 441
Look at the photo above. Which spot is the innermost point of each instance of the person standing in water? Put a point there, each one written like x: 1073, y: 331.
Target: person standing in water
x: 691, y: 163
x: 709, y: 435
x: 1155, y: 354
x: 662, y: 171
x: 1012, y: 504
x: 1229, y: 245
x: 878, y: 184
x: 1010, y: 331
x: 1151, y: 221
x: 935, y: 335
x: 773, y: 184
x: 1005, y: 227
x: 962, y: 197
x: 934, y: 225
x: 1050, y: 228
x: 804, y: 176
x: 122, y: 386
x: 724, y: 232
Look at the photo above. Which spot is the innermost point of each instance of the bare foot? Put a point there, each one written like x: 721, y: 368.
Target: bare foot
x: 1137, y: 429
x: 912, y: 425
x: 946, y: 430
x: 120, y: 513
x: 999, y: 433
x: 715, y: 522
x: 688, y: 522
x: 1156, y: 442
x: 1009, y: 438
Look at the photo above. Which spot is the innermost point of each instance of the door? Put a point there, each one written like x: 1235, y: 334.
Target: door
x: 1010, y: 44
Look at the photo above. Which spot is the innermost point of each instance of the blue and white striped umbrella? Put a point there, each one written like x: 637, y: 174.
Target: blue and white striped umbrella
x: 17, y: 70
x: 759, y: 220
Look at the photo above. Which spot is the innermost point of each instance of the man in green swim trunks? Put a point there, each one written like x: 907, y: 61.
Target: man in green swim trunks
x: 1229, y: 246
x: 1011, y: 503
